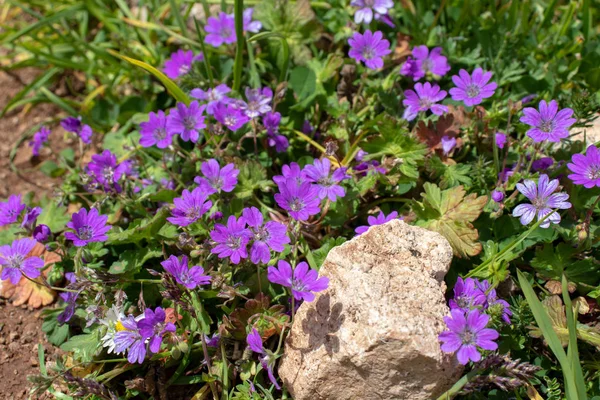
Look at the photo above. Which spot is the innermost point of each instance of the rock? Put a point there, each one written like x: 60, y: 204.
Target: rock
x: 373, y: 334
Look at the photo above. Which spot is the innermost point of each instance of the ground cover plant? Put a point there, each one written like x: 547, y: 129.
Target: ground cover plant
x: 223, y: 148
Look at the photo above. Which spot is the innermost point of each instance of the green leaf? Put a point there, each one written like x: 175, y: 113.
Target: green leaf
x: 252, y: 176
x: 552, y: 262
x: 54, y: 216
x: 144, y: 229
x: 173, y: 89
x: 131, y: 261
x: 303, y: 82
x: 394, y: 140
x: 317, y: 257
x: 450, y: 213
x: 51, y: 169
x: 56, y: 333
x: 83, y: 347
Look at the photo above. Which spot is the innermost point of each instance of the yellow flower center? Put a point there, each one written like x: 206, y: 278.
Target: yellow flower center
x: 119, y: 327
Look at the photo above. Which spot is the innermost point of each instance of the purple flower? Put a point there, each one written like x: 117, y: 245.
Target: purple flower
x: 378, y: 220
x: 299, y: 200
x: 217, y: 215
x: 255, y: 342
x: 280, y: 142
x: 289, y: 172
x: 220, y: 30
x: 528, y: 98
x: 74, y: 125
x: 368, y: 167
x: 433, y: 61
x: 423, y: 98
x: 302, y: 280
x: 367, y: 9
x: 267, y: 360
x: 258, y: 102
x: 271, y: 121
x: 466, y: 333
x: 130, y: 339
x: 369, y: 48
x: 506, y: 173
x: 542, y: 164
x: 15, y: 262
x: 549, y: 123
x: 543, y: 200
x: 494, y: 305
x: 497, y: 196
x: 39, y: 138
x: 472, y: 89
x: 213, y: 341
x: 180, y: 63
x: 88, y: 226
x: 319, y: 173
x: 42, y: 233
x: 186, y: 121
x: 230, y: 116
x: 500, y: 140
x: 412, y: 69
x: 212, y: 96
x: 269, y: 236
x: 216, y: 178
x: 360, y: 155
x: 154, y: 327
x: 190, y: 207
x: 386, y: 19
x: 188, y: 277
x: 586, y: 168
x: 106, y: 172
x: 154, y: 131
x: 30, y: 218
x: 11, y: 209
x: 448, y: 144
x: 70, y: 298
x: 249, y: 25
x: 467, y: 295
x: 232, y: 239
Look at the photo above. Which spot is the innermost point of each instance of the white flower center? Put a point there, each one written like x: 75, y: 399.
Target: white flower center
x: 473, y: 90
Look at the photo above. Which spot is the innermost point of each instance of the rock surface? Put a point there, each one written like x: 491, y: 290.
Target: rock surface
x: 373, y: 333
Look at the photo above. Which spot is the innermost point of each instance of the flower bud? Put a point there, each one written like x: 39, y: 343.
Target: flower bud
x: 42, y: 233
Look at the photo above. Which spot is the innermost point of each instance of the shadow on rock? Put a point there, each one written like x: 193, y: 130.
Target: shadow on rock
x: 321, y: 324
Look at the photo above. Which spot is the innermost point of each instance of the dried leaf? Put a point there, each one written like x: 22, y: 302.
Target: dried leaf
x: 432, y: 135
x: 556, y: 311
x: 27, y: 292
x: 451, y: 213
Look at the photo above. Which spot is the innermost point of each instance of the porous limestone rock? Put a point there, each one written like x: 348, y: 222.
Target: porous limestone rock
x: 373, y: 334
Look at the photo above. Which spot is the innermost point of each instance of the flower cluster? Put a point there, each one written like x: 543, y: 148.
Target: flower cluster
x: 473, y: 309
x: 221, y: 29
x: 301, y: 190
x: 231, y: 240
x: 141, y: 335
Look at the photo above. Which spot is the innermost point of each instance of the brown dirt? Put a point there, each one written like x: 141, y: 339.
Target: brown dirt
x: 20, y: 335
x: 13, y: 128
x: 20, y: 328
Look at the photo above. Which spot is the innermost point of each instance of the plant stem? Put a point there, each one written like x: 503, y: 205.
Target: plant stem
x: 239, y: 51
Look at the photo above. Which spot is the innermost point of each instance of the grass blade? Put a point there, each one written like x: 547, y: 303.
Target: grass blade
x: 65, y: 13
x: 573, y: 352
x: 543, y: 321
x: 36, y: 84
x: 171, y: 87
x: 177, y: 14
x: 239, y: 51
x: 284, y: 47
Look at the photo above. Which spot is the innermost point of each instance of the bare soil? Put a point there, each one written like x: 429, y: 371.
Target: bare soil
x: 20, y: 328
